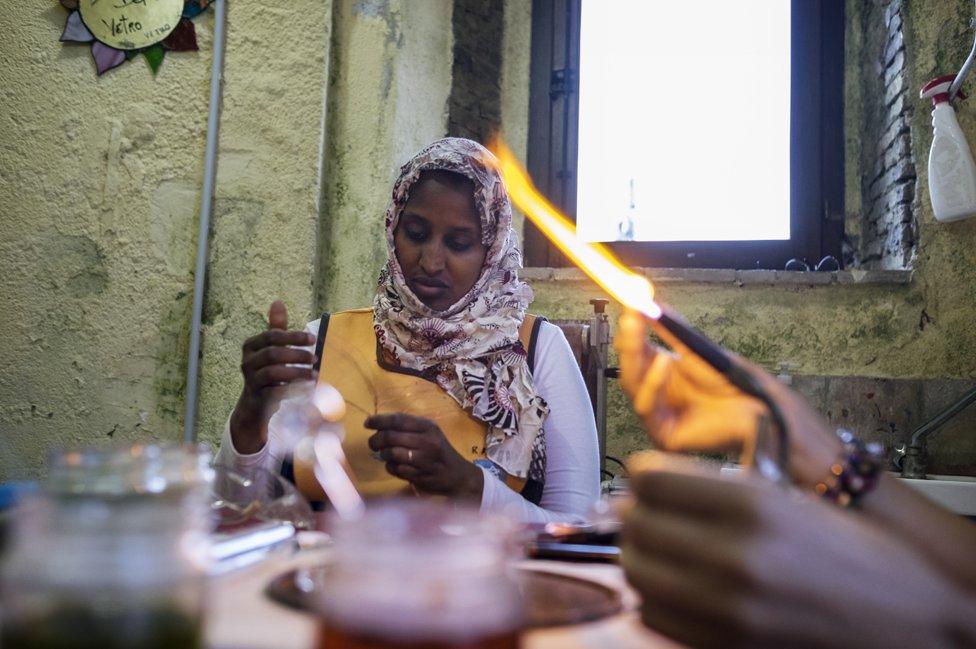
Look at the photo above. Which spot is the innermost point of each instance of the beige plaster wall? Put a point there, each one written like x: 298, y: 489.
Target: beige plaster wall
x: 100, y: 188
x: 388, y: 94
x: 517, y: 43
x: 266, y: 212
x: 99, y: 193
x: 99, y: 183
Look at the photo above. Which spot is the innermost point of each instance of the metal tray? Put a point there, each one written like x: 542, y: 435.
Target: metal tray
x: 550, y: 599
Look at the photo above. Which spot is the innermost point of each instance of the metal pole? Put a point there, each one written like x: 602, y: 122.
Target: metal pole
x: 599, y: 343
x: 964, y: 71
x: 206, y: 206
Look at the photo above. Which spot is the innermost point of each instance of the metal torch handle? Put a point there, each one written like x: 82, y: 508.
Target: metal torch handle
x: 719, y: 359
x: 696, y: 341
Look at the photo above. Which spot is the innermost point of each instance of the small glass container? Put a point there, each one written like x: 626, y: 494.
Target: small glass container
x: 421, y: 573
x: 111, y: 552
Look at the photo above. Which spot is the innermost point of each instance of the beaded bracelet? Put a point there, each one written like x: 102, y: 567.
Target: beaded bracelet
x: 855, y: 474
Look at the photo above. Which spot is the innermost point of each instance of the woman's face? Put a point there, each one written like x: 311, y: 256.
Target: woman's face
x: 438, y: 240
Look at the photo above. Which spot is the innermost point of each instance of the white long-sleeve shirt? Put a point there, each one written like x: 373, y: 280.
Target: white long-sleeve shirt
x: 572, y: 481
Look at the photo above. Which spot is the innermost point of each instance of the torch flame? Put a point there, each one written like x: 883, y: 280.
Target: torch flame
x: 624, y: 285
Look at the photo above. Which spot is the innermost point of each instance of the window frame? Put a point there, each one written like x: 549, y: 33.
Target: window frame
x: 816, y: 144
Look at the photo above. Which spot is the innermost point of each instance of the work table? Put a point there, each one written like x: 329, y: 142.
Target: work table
x: 241, y: 616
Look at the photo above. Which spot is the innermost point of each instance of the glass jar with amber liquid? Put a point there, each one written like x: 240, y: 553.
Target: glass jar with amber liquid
x: 420, y: 574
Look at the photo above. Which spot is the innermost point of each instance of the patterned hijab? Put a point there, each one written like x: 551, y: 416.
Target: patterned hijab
x: 472, y: 349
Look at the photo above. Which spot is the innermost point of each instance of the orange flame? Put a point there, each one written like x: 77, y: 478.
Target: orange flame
x: 624, y: 285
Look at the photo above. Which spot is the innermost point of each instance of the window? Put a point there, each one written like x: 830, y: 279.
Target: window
x: 690, y: 134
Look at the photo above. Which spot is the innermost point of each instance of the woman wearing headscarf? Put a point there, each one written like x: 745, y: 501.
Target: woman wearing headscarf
x: 451, y: 388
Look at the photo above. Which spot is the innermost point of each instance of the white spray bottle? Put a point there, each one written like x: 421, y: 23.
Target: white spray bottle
x: 952, y: 172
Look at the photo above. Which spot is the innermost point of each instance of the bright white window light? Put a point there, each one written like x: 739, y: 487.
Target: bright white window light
x: 684, y: 120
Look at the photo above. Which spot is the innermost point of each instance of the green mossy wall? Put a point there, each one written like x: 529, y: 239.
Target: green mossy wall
x: 99, y: 191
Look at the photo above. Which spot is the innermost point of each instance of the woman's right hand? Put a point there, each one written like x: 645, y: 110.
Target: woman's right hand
x: 268, y: 360
x: 686, y: 405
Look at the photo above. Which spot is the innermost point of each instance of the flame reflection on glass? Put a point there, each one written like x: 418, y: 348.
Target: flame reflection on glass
x: 331, y: 473
x: 624, y: 285
x: 309, y: 421
x: 330, y: 460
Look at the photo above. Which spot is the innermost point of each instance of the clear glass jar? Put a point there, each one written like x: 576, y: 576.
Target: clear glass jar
x: 111, y: 552
x: 419, y: 573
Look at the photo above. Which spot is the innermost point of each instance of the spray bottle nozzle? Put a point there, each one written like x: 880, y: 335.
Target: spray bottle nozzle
x: 938, y: 89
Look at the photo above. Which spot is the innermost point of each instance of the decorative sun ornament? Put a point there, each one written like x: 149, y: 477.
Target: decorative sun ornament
x: 120, y: 30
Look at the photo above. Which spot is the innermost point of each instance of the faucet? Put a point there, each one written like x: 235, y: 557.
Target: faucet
x: 911, y: 458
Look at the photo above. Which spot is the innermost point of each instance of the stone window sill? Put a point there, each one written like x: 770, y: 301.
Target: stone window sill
x: 736, y: 277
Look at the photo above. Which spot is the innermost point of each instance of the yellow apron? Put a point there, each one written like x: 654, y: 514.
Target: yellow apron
x: 351, y: 361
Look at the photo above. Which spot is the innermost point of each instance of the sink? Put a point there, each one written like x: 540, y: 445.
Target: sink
x: 957, y: 493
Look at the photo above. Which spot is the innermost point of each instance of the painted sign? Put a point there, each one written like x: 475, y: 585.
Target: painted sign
x: 130, y: 24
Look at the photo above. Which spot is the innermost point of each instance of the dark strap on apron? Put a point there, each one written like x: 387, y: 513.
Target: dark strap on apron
x: 532, y: 489
x: 533, y: 339
x: 320, y: 340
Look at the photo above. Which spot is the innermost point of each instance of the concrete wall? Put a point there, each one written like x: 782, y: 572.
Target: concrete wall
x: 516, y: 41
x: 100, y: 187
x: 266, y: 212
x: 388, y: 97
x: 99, y: 183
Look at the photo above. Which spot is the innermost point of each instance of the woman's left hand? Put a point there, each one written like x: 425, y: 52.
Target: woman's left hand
x: 739, y: 562
x: 416, y: 450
